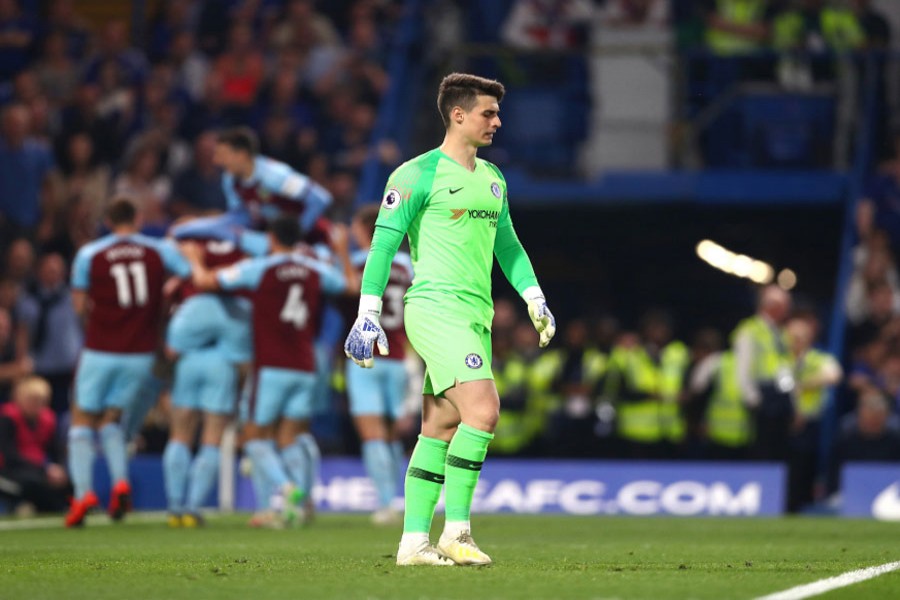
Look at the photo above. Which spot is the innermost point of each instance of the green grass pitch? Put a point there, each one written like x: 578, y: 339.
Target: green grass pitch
x: 535, y: 557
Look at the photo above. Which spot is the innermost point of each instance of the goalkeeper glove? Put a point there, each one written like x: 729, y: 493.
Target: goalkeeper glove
x: 540, y: 315
x: 366, y: 332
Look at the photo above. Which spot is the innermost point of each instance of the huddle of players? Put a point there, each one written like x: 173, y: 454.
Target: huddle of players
x: 255, y: 321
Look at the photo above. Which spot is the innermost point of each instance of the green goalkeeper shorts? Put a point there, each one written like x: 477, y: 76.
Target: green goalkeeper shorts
x: 454, y: 346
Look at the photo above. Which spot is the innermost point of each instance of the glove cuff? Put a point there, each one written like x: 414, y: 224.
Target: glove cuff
x: 370, y: 305
x: 532, y: 293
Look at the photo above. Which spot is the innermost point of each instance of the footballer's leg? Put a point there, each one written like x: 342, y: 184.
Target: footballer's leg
x: 424, y: 480
x: 217, y: 395
x: 479, y: 408
x: 204, y: 468
x: 81, y: 464
x: 297, y: 447
x: 112, y: 440
x: 367, y: 405
x: 177, y: 459
x: 266, y: 407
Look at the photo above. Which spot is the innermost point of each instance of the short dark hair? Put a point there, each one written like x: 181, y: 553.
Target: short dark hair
x: 462, y: 89
x: 367, y: 215
x: 121, y: 211
x: 286, y: 230
x: 240, y: 138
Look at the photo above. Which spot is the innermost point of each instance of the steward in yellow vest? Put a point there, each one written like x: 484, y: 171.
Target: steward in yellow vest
x: 815, y: 372
x: 580, y: 369
x: 524, y: 379
x: 764, y: 374
x: 644, y: 382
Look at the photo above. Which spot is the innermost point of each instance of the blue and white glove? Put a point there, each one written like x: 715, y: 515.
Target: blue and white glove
x: 540, y: 315
x: 366, y: 332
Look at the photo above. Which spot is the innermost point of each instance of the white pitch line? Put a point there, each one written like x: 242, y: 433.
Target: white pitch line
x: 832, y: 583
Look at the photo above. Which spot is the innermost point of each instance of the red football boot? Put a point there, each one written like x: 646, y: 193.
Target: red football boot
x: 80, y: 508
x: 119, y: 500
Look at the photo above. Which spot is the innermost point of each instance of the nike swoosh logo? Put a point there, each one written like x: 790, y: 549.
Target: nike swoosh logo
x: 886, y: 506
x: 452, y: 191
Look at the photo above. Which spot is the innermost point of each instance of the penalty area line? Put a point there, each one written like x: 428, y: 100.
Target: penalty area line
x: 832, y: 583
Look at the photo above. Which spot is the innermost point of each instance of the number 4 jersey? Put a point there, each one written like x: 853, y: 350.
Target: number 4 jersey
x: 123, y: 277
x: 286, y: 290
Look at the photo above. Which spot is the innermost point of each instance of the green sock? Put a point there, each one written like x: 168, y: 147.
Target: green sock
x: 464, y: 459
x: 424, y: 480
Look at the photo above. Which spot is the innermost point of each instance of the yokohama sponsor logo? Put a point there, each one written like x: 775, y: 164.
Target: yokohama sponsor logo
x: 474, y: 213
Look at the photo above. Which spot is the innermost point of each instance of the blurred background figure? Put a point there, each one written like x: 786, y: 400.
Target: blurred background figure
x: 30, y: 472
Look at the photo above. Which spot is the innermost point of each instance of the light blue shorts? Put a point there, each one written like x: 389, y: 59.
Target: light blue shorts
x: 205, y: 380
x: 379, y: 390
x: 282, y: 393
x: 110, y: 380
x: 211, y: 320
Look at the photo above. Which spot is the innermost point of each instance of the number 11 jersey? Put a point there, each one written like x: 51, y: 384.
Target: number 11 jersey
x: 123, y: 277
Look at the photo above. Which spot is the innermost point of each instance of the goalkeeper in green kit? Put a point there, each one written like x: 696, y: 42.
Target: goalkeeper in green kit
x: 454, y: 209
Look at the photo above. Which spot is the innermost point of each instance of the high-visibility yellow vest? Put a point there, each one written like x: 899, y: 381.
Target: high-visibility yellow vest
x: 810, y: 402
x: 727, y: 419
x: 840, y: 29
x: 647, y: 420
x: 513, y: 431
x: 742, y: 12
x: 770, y: 355
x: 673, y: 364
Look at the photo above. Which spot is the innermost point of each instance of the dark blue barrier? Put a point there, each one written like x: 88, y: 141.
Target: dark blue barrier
x: 871, y: 490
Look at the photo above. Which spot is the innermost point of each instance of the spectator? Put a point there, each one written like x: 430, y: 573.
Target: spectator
x: 816, y: 27
x: 19, y: 261
x: 17, y: 34
x: 55, y: 329
x: 548, y: 24
x: 240, y: 67
x: 867, y: 436
x: 12, y: 365
x: 636, y: 13
x: 172, y: 17
x: 738, y: 26
x: 881, y: 304
x: 867, y: 362
x: 301, y: 20
x: 146, y: 185
x: 24, y: 165
x: 574, y: 382
x: 27, y: 92
x: 116, y: 63
x: 83, y: 115
x: 78, y: 191
x: 882, y: 206
x: 198, y: 190
x: 62, y: 18
x: 29, y: 453
x: 57, y: 73
x: 701, y: 380
x: 190, y: 65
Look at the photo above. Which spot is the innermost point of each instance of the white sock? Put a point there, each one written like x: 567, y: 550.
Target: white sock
x: 413, y: 539
x: 453, y: 529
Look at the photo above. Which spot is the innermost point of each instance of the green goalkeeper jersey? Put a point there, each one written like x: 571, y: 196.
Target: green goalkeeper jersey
x: 452, y: 217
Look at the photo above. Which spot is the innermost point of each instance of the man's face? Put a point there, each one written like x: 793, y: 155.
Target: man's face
x: 481, y: 123
x: 52, y: 271
x: 227, y: 158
